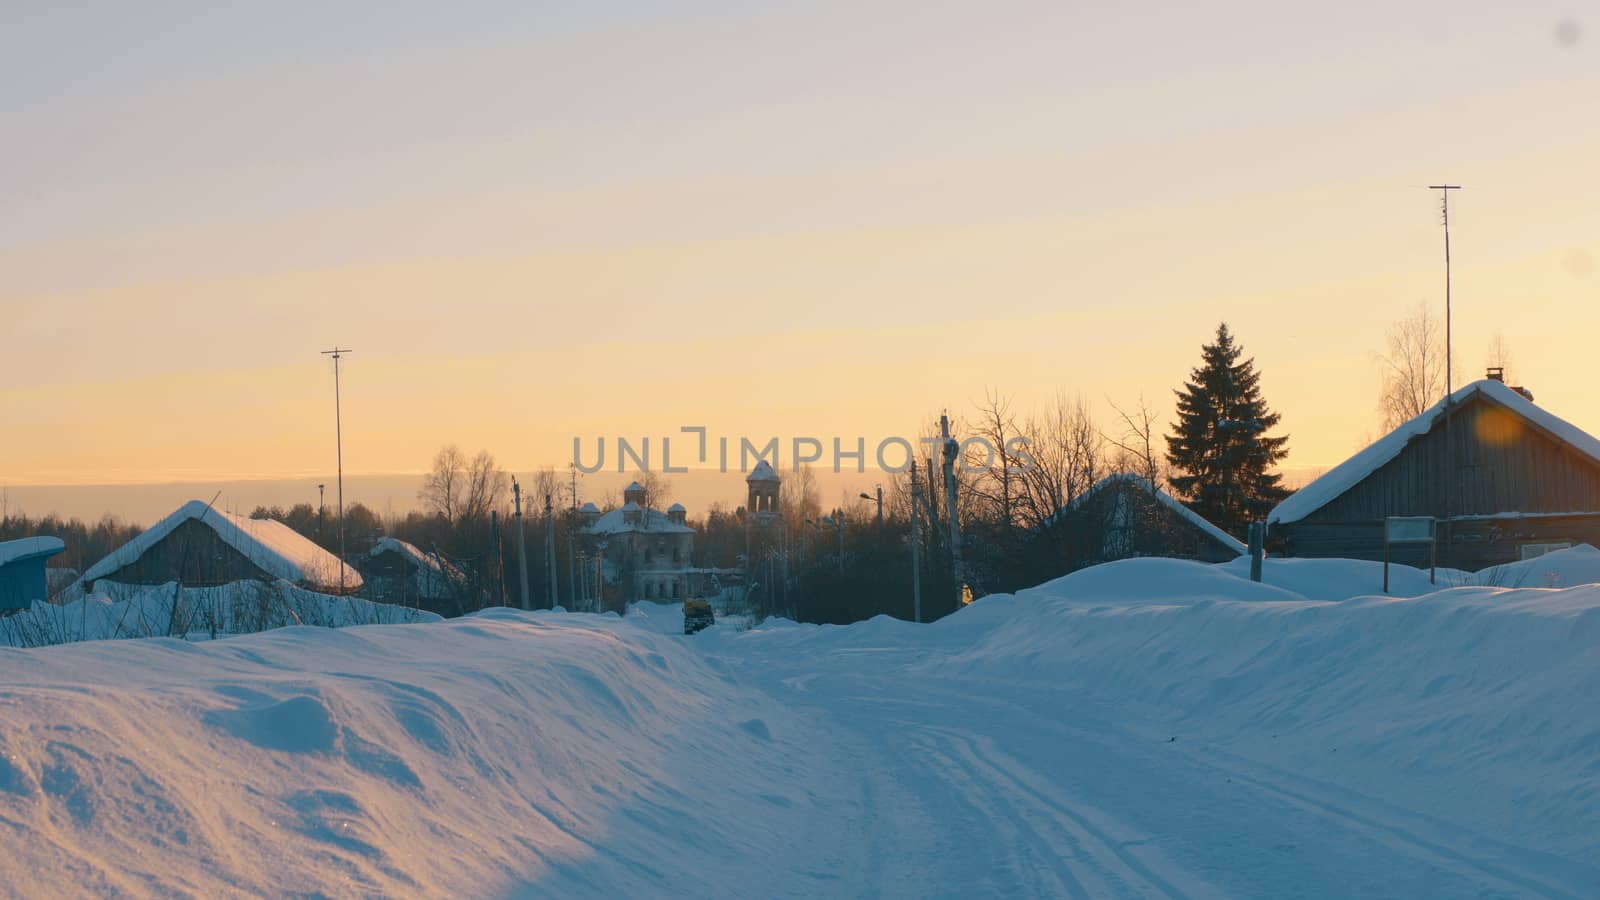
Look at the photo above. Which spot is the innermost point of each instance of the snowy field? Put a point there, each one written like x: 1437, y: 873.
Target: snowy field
x: 1148, y: 728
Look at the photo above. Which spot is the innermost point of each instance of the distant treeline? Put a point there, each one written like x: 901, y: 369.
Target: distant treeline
x: 86, y: 543
x: 853, y: 561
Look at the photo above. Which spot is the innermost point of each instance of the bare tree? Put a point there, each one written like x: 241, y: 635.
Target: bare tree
x: 1500, y: 357
x: 546, y: 483
x: 1067, y: 451
x: 995, y: 488
x: 443, y: 486
x: 802, y: 499
x: 1413, y: 367
x: 463, y: 490
x: 486, y: 488
x: 1136, y: 444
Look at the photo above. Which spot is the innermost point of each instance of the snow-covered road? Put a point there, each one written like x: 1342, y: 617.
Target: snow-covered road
x: 1104, y: 737
x: 981, y: 790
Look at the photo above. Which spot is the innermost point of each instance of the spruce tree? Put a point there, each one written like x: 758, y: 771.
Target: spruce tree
x: 1219, y: 443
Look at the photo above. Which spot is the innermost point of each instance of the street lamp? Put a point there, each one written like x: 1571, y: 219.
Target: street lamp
x: 879, y: 498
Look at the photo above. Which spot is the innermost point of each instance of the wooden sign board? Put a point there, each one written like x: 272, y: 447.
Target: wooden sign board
x: 1408, y: 529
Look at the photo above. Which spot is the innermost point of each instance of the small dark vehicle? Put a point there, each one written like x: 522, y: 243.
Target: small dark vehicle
x: 696, y: 616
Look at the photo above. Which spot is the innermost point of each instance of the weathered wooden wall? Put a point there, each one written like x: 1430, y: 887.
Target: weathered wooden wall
x: 1502, y: 464
x: 193, y: 555
x: 1083, y: 532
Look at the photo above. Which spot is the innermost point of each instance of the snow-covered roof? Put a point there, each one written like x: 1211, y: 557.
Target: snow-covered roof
x: 434, y: 576
x: 408, y: 550
x: 589, y: 507
x: 677, y: 507
x: 762, y: 472
x: 1167, y: 500
x: 616, y: 522
x: 29, y: 547
x: 277, y: 549
x: 1352, y: 471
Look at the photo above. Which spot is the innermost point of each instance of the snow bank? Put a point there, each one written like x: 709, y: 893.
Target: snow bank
x: 658, y: 618
x: 1560, y: 568
x: 505, y: 753
x: 1342, y: 579
x: 1472, y: 703
x: 1144, y: 728
x: 1156, y: 580
x: 139, y: 611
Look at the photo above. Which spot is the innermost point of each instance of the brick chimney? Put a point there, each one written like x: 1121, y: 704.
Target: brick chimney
x: 1498, y: 373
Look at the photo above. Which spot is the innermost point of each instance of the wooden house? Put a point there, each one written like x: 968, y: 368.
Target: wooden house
x: 401, y: 573
x: 1505, y: 480
x: 1124, y: 516
x: 199, y: 546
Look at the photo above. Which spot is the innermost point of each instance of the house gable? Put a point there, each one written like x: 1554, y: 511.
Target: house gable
x: 1504, y: 462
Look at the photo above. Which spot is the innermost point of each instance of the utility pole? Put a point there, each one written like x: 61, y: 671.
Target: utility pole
x: 338, y: 437
x: 497, y: 569
x: 951, y: 496
x: 841, y: 541
x: 783, y: 538
x: 572, y: 543
x: 522, y: 545
x: 1449, y: 374
x: 550, y: 549
x: 916, y: 562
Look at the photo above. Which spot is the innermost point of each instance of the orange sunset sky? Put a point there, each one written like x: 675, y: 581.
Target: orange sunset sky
x: 535, y: 221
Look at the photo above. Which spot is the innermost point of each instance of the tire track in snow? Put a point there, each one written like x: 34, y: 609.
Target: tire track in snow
x: 1029, y: 822
x: 1113, y: 857
x: 944, y: 838
x: 1359, y: 814
x: 1028, y: 852
x: 1508, y: 875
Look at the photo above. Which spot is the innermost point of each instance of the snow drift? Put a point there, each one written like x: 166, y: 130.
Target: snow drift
x: 1144, y: 728
x: 475, y: 757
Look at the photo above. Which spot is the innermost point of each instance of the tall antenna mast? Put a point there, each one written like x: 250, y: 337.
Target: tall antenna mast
x: 1449, y: 369
x: 338, y: 438
x: 1449, y: 374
